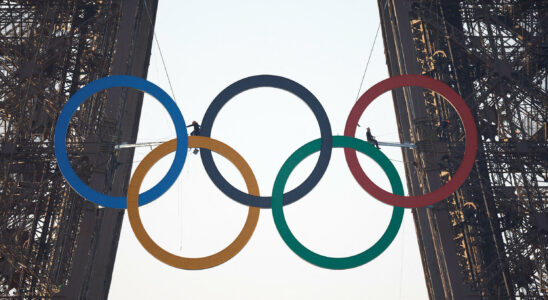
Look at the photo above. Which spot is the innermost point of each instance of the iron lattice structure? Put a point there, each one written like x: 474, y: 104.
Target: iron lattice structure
x: 489, y: 240
x: 48, y: 50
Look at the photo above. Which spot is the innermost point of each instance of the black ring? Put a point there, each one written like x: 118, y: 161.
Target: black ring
x: 280, y: 83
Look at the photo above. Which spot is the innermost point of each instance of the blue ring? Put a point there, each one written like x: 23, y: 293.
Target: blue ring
x: 281, y: 83
x: 96, y: 86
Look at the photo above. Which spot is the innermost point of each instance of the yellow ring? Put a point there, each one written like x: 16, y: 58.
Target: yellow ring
x: 157, y: 251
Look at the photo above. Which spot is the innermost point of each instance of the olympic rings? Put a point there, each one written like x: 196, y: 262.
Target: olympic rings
x: 284, y: 84
x: 96, y: 86
x: 165, y: 256
x: 332, y: 262
x: 253, y: 198
x: 469, y: 153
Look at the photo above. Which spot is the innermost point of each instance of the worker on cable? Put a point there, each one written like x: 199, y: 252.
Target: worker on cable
x: 371, y: 139
x: 195, y: 131
x: 444, y: 126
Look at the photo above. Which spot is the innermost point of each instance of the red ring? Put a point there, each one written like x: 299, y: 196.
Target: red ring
x: 469, y: 153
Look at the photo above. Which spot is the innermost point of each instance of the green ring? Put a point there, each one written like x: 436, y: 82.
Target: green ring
x: 337, y: 263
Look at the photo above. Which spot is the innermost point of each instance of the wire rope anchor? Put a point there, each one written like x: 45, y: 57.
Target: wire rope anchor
x: 127, y: 146
x: 402, y: 145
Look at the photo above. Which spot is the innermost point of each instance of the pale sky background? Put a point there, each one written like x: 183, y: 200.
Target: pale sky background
x: 323, y: 45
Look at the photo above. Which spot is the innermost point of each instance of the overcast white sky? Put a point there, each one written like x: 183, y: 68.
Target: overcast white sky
x: 323, y: 45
